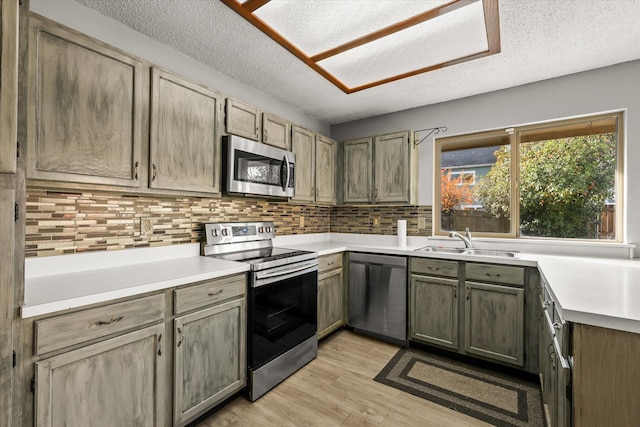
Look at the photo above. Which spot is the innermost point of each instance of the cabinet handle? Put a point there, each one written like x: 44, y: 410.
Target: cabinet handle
x: 468, y: 293
x: 434, y: 268
x: 135, y: 172
x: 108, y: 322
x: 265, y: 134
x: 496, y: 275
x: 155, y: 172
x: 160, y: 345
x: 455, y: 291
x: 213, y: 294
x: 179, y: 330
x: 556, y: 326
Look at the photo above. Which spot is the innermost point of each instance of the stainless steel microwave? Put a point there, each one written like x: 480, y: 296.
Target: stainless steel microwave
x: 250, y: 167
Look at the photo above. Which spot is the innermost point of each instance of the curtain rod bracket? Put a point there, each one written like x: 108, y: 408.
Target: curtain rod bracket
x: 435, y: 131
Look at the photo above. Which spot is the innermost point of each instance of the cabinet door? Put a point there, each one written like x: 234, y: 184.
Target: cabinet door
x: 326, y: 161
x: 330, y: 302
x: 434, y: 310
x: 392, y: 167
x: 117, y: 382
x: 243, y: 120
x: 8, y: 85
x: 303, y: 145
x: 357, y: 170
x: 84, y: 109
x: 185, y: 142
x: 494, y: 322
x: 210, y: 358
x: 276, y: 131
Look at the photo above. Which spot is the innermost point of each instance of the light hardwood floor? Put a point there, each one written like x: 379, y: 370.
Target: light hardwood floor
x: 337, y: 389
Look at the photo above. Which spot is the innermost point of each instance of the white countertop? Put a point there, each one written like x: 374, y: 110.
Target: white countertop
x: 119, y: 274
x: 593, y: 291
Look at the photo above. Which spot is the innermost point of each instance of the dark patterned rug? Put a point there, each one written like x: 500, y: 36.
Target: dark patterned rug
x: 483, y: 394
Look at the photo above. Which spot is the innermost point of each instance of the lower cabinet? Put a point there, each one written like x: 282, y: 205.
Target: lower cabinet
x: 494, y: 322
x: 210, y: 358
x: 482, y: 317
x: 116, y: 382
x: 330, y: 294
x: 434, y: 311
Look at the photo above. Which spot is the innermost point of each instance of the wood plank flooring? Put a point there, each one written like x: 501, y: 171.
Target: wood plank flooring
x: 337, y: 389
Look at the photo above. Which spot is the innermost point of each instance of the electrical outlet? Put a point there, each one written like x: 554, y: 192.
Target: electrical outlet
x: 301, y: 221
x: 146, y: 226
x: 422, y: 223
x: 376, y: 221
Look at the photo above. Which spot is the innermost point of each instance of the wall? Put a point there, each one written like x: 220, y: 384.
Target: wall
x: 605, y: 89
x: 90, y: 22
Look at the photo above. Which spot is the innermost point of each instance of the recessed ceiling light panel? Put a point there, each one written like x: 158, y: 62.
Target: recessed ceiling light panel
x: 358, y: 44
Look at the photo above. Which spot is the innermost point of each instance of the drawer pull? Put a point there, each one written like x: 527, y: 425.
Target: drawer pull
x: 434, y: 268
x: 108, y: 322
x: 468, y: 292
x: 556, y: 326
x: 213, y: 294
x: 160, y: 345
x: 491, y: 275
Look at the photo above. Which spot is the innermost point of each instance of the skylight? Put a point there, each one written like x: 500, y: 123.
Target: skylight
x: 358, y: 44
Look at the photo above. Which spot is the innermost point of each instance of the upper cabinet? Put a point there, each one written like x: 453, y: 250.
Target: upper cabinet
x: 84, y: 114
x: 326, y: 165
x: 243, y: 120
x: 276, y: 131
x: 8, y: 85
x: 185, y: 141
x: 303, y: 145
x: 358, y: 158
x: 381, y: 169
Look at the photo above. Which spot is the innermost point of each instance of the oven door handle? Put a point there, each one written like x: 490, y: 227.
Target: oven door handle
x: 283, y: 274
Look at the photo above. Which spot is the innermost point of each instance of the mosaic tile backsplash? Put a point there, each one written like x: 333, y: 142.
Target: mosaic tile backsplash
x: 68, y: 222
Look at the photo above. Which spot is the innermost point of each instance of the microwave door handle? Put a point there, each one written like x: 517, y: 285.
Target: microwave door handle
x: 285, y: 163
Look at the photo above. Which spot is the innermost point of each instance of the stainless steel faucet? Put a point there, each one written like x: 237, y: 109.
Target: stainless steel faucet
x: 466, y: 240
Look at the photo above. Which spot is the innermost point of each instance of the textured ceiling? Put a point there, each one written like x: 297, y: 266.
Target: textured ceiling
x: 540, y: 39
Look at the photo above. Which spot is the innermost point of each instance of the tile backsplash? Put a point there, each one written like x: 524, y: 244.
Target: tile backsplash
x: 71, y: 222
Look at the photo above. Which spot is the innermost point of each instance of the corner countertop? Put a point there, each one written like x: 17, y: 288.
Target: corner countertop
x: 589, y: 290
x: 594, y: 291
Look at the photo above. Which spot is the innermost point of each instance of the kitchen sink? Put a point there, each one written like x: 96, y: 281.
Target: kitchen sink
x: 471, y: 251
x: 445, y: 250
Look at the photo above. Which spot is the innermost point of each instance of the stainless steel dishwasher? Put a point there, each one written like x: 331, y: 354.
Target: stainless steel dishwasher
x: 378, y: 296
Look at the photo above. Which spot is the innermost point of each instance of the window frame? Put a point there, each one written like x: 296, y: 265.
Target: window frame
x: 513, y: 135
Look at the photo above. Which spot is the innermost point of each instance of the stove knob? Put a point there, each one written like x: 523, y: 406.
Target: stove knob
x: 260, y: 229
x: 268, y: 229
x: 214, y: 233
x: 225, y: 232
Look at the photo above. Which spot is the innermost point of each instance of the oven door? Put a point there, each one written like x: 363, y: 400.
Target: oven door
x: 255, y: 168
x: 283, y: 305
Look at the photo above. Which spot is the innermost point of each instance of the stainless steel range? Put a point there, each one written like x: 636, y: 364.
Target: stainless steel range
x: 282, y: 306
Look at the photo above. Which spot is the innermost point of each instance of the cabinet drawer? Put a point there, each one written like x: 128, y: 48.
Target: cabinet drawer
x: 209, y: 292
x: 70, y: 329
x: 495, y: 273
x: 330, y: 262
x: 438, y: 267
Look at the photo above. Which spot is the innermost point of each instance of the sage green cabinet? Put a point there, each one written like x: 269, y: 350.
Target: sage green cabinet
x: 185, y: 140
x: 8, y: 85
x: 116, y: 382
x: 243, y: 120
x: 84, y: 109
x: 475, y: 309
x: 357, y: 173
x: 494, y: 322
x: 434, y: 310
x: 381, y: 169
x: 303, y: 145
x: 276, y: 131
x: 326, y: 159
x: 210, y: 358
x: 330, y: 294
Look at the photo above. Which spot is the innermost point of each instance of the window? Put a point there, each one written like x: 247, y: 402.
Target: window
x: 558, y: 180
